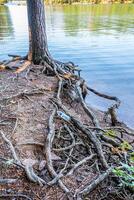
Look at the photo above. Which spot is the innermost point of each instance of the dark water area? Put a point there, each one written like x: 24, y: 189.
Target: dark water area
x: 99, y: 38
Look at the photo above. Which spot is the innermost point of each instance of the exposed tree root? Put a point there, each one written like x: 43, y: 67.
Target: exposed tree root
x: 112, y: 109
x: 32, y: 176
x: 26, y: 94
x: 86, y: 108
x: 28, y: 169
x: 89, y: 134
x: 49, y: 141
x: 94, y: 183
x: 11, y: 148
x: 74, y: 135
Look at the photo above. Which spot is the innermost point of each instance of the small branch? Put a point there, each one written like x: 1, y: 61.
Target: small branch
x: 25, y: 93
x: 32, y: 143
x: 73, y: 141
x: 7, y: 181
x: 14, y: 56
x: 106, y: 139
x: 81, y: 163
x: 68, y: 147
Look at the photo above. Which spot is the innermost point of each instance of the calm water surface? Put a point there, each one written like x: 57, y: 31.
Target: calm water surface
x: 99, y: 38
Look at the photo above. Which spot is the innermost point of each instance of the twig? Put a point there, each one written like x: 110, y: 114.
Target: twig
x: 109, y: 140
x: 15, y: 126
x: 32, y: 143
x: 26, y: 93
x: 81, y: 163
x: 68, y: 147
x: 73, y: 141
x: 7, y: 181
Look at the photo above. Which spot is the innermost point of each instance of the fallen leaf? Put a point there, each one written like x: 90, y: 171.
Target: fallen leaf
x: 116, y: 150
x: 67, y: 76
x: 2, y: 67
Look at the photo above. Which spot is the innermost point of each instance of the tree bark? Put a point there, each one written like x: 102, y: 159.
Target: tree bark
x: 38, y: 49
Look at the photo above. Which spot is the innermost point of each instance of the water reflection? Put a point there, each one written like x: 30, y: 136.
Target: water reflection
x: 6, y: 26
x: 97, y: 37
x: 99, y: 19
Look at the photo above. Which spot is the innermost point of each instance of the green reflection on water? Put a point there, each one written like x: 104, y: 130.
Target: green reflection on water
x: 6, y: 27
x: 116, y: 17
x: 96, y: 19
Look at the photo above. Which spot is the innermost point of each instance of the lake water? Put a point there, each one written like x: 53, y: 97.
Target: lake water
x: 99, y: 38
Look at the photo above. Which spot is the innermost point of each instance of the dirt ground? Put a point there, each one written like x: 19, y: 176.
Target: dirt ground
x: 25, y: 108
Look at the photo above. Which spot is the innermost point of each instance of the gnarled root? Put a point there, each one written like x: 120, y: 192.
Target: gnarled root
x: 48, y: 148
x: 28, y: 169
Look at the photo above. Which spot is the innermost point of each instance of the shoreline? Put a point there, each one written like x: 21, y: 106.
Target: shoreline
x: 98, y: 111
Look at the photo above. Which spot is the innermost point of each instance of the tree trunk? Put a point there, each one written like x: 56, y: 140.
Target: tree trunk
x: 38, y: 50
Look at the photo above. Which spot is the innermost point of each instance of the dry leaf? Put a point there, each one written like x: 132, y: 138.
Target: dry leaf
x: 116, y: 150
x: 2, y: 67
x: 67, y: 76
